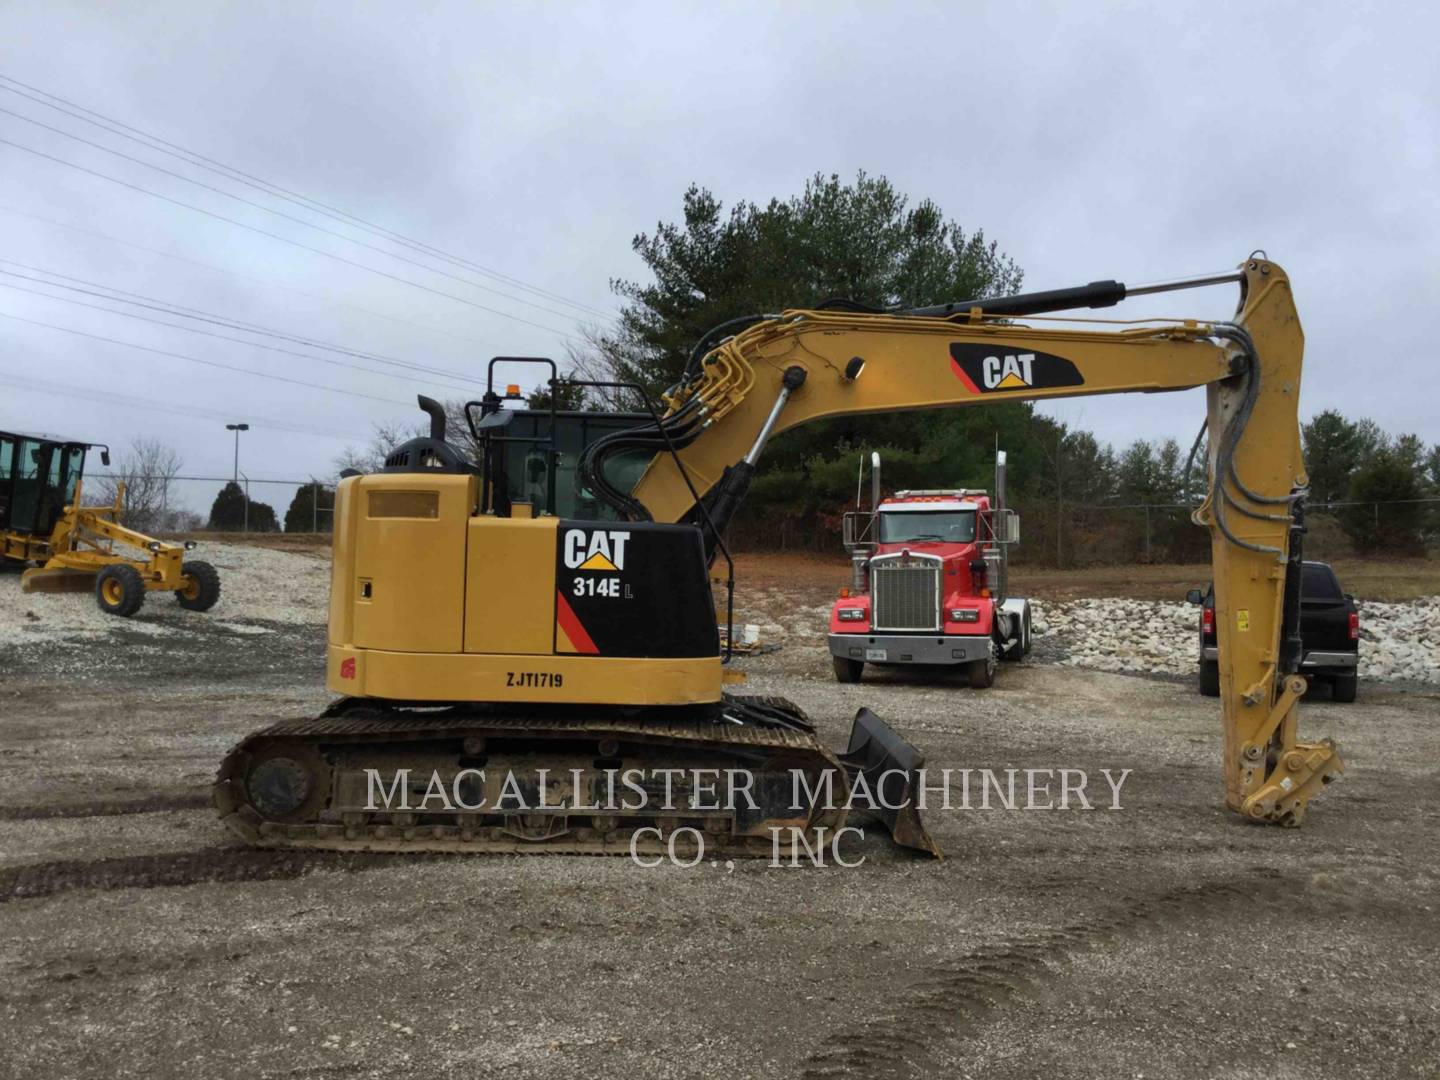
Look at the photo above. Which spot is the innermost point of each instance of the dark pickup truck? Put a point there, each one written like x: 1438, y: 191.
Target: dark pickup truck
x: 1329, y: 631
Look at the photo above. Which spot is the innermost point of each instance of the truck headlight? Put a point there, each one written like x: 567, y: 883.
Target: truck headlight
x: 852, y: 614
x: 964, y: 614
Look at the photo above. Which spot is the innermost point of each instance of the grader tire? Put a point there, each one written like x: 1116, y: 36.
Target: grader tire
x: 201, y: 588
x: 119, y: 590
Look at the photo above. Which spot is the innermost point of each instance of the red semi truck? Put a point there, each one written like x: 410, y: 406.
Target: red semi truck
x: 929, y: 586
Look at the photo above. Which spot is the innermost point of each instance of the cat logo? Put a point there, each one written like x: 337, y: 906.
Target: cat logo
x: 1008, y: 372
x: 602, y: 549
x: 985, y: 369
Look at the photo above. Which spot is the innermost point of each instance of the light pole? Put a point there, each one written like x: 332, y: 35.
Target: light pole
x: 237, y: 428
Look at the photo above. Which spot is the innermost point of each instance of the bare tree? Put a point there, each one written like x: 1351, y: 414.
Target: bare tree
x: 181, y: 521
x: 147, y: 469
x: 595, y: 361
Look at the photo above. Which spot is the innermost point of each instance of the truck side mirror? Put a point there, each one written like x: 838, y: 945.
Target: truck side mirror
x: 1194, y: 596
x: 105, y: 458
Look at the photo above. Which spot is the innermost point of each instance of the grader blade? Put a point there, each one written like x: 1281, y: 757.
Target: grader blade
x: 886, y: 768
x: 60, y: 580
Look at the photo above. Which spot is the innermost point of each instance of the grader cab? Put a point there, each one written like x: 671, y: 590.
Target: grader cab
x: 83, y: 548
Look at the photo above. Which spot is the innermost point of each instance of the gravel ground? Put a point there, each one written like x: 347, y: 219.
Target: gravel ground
x: 270, y: 596
x: 1167, y: 938
x: 1398, y: 641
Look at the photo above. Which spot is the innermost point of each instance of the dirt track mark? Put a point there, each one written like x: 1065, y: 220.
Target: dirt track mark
x: 207, y: 865
x: 952, y: 1000
x: 150, y: 804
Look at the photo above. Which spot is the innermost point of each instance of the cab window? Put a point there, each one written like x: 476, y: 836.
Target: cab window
x: 944, y: 526
x: 74, y: 466
x: 1317, y: 582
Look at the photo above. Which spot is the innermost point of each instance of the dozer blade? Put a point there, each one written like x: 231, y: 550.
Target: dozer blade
x: 887, y: 766
x: 61, y: 579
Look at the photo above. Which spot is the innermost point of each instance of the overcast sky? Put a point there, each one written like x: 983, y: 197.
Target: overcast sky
x: 1090, y: 140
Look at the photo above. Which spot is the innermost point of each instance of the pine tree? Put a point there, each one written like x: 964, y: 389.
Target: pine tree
x: 227, y: 513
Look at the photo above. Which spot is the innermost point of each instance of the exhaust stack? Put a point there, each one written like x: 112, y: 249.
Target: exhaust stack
x: 437, y: 416
x: 1001, y: 584
x: 859, y: 555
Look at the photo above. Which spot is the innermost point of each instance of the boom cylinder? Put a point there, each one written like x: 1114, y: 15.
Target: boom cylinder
x: 1095, y: 295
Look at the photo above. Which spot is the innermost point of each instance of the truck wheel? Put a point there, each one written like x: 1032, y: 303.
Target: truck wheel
x: 847, y: 670
x: 981, y: 672
x: 1343, y: 688
x: 200, y: 588
x: 1210, y: 678
x: 119, y: 590
x: 1017, y: 652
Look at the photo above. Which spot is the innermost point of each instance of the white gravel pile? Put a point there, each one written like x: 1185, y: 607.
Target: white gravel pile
x: 1397, y: 641
x: 258, y: 588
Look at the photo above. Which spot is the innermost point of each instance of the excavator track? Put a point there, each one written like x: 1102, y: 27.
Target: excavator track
x: 485, y: 778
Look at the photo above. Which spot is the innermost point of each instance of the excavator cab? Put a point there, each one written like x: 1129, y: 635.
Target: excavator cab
x: 517, y: 444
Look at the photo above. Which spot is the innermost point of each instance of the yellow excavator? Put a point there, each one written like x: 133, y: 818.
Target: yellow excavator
x: 503, y: 659
x: 85, y: 548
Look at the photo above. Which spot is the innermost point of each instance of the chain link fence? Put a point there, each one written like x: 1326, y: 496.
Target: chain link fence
x: 185, y: 503
x: 1106, y: 534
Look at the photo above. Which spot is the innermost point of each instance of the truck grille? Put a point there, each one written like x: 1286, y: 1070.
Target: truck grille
x: 905, y: 594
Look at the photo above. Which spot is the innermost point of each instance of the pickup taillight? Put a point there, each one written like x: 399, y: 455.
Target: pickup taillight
x: 1354, y: 626
x: 1207, y: 620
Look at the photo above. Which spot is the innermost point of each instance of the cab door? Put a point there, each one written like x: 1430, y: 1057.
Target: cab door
x: 32, y: 461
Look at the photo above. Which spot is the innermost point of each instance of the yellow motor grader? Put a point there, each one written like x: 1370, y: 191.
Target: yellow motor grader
x: 42, y: 521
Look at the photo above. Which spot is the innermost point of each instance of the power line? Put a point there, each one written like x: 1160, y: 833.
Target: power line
x: 278, y: 213
x: 198, y: 360
x: 170, y: 308
x: 207, y: 333
x: 230, y: 172
x: 285, y: 239
x: 246, y: 277
x: 110, y: 397
x: 413, y: 373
